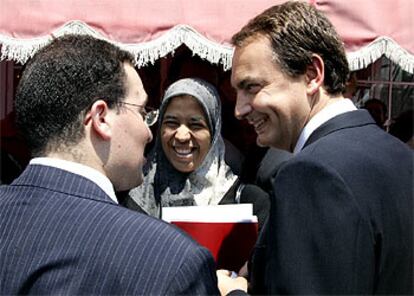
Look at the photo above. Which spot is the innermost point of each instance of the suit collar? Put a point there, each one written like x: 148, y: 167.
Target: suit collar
x: 59, y: 180
x: 334, y: 108
x: 79, y: 169
x: 345, y: 120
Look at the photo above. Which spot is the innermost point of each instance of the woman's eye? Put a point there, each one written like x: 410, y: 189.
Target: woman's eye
x: 196, y: 126
x: 170, y: 123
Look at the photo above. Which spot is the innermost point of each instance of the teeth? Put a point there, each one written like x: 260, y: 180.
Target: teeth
x: 258, y: 123
x: 182, y: 151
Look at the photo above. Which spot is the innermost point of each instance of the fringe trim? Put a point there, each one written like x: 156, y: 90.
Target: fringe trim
x: 181, y: 34
x: 381, y: 46
x: 20, y: 50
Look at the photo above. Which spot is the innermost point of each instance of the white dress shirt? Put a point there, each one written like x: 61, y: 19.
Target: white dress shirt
x: 79, y: 169
x: 330, y: 111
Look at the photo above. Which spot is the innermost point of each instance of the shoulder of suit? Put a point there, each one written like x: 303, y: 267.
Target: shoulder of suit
x: 143, y: 225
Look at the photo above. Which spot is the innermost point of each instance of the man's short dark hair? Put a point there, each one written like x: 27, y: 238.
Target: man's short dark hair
x: 60, y: 83
x: 297, y: 30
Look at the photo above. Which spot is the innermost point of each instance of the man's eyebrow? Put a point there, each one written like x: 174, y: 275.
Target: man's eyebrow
x: 242, y: 83
x: 251, y: 81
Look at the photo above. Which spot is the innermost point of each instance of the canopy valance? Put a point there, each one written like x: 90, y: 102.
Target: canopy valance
x: 153, y: 29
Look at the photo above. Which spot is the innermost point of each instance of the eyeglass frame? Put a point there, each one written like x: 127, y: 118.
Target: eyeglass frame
x: 149, y: 114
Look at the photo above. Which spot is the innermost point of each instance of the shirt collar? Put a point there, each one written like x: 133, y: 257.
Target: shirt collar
x: 330, y: 111
x: 79, y: 169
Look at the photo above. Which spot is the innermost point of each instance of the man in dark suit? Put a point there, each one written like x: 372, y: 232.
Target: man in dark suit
x: 81, y: 107
x: 341, y: 219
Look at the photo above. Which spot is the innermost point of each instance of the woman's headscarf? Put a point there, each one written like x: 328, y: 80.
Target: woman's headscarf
x: 165, y: 186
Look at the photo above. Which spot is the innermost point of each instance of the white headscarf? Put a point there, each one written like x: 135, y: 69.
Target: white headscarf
x: 165, y: 186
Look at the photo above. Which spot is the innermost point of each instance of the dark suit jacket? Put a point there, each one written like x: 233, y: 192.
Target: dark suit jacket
x: 61, y: 234
x: 341, y: 219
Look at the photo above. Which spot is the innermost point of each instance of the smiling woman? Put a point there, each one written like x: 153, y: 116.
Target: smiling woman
x: 187, y: 164
x: 185, y: 133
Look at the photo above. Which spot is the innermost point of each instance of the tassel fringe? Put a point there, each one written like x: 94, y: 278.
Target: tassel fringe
x: 381, y: 46
x: 20, y: 50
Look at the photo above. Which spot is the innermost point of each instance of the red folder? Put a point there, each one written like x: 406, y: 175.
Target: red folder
x: 230, y: 238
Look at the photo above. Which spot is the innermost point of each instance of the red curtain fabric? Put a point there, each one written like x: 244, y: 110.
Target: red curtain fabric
x: 361, y: 22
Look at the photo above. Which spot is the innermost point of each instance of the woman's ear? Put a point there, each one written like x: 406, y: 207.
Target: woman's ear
x: 99, y: 118
x: 315, y: 74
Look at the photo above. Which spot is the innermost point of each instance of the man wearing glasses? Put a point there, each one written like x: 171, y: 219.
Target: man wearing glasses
x: 61, y: 228
x: 149, y: 114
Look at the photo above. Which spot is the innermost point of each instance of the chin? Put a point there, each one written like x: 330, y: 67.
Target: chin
x: 139, y: 181
x: 271, y: 140
x: 262, y: 141
x: 131, y: 183
x: 183, y: 168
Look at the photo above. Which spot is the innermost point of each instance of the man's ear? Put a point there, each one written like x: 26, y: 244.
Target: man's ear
x: 99, y: 119
x: 315, y: 74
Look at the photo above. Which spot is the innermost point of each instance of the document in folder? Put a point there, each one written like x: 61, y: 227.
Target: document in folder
x: 228, y: 231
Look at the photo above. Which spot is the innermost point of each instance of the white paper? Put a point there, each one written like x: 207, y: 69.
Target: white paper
x: 219, y: 213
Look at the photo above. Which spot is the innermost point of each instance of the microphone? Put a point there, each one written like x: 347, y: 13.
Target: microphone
x: 270, y: 164
x: 250, y: 193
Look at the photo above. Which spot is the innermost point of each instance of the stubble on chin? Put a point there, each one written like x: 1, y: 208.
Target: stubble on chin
x: 272, y: 141
x: 261, y: 143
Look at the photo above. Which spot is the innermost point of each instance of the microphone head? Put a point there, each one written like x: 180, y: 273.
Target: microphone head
x: 259, y: 198
x: 270, y: 164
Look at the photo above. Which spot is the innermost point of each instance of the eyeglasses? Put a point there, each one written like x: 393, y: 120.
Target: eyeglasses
x: 150, y: 115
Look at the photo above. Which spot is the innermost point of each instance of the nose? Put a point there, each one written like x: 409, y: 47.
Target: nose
x: 150, y: 137
x: 243, y: 107
x: 182, y: 133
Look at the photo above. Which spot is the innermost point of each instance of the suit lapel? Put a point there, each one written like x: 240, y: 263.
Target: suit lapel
x: 60, y: 180
x: 345, y: 120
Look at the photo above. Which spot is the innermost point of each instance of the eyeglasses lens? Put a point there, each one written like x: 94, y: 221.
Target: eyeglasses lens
x: 151, y: 117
